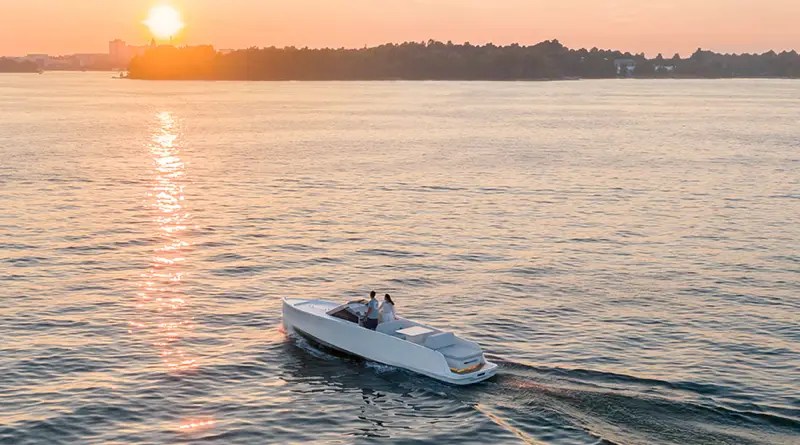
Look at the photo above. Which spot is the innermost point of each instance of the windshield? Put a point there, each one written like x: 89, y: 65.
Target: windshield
x: 345, y: 314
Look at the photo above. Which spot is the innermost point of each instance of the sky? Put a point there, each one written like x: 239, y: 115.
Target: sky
x: 650, y: 26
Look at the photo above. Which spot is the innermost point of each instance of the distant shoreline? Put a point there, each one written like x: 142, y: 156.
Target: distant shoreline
x: 464, y: 80
x: 432, y: 60
x: 570, y: 79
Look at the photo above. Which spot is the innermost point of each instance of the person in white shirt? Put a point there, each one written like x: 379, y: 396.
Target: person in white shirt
x: 387, y: 310
x: 371, y: 321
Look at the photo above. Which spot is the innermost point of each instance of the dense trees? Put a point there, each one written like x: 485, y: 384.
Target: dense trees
x: 9, y: 65
x: 444, y: 61
x: 770, y: 64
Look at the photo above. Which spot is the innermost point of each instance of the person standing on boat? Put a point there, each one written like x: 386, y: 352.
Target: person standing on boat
x: 372, y: 312
x: 387, y: 310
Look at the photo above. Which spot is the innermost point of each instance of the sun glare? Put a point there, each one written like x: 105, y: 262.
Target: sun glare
x: 164, y: 22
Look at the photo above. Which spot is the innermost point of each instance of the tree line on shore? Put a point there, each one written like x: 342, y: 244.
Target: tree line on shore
x: 434, y: 60
x: 9, y: 65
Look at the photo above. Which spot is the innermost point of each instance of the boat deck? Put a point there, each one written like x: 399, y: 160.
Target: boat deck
x: 315, y: 306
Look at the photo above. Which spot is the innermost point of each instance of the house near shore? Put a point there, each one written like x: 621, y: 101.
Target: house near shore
x: 625, y: 67
x: 664, y: 68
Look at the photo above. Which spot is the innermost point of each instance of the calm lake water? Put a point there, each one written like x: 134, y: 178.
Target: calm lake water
x: 628, y: 251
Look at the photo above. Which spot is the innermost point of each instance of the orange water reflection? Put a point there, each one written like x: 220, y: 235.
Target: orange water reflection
x: 162, y: 298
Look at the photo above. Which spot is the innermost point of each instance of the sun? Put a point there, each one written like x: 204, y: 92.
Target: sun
x: 164, y: 21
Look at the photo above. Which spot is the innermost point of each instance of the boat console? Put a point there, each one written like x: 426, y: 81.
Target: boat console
x: 352, y: 311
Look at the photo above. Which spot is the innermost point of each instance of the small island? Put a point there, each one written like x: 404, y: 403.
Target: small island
x: 433, y: 60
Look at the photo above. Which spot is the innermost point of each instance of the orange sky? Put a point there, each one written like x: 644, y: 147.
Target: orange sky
x: 652, y: 26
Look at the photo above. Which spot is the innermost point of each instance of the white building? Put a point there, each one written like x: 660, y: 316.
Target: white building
x: 664, y: 68
x: 625, y: 67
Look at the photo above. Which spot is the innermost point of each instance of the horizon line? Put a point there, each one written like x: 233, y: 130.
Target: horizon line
x: 163, y: 42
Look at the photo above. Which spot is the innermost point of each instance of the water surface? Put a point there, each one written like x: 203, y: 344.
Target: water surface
x: 626, y: 250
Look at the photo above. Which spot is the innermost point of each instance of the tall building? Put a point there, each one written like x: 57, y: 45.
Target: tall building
x: 121, y: 54
x: 118, y: 52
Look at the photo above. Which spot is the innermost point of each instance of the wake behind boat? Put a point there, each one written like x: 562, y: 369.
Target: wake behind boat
x: 401, y: 343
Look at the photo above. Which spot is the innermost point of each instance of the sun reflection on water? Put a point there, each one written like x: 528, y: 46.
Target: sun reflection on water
x: 196, y: 424
x: 162, y: 296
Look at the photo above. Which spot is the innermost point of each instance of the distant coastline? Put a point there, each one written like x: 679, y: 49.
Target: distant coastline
x: 432, y: 60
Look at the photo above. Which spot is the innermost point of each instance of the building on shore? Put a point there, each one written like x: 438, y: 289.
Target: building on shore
x: 41, y: 60
x: 120, y: 53
x: 88, y: 60
x: 664, y: 68
x: 625, y: 67
x: 84, y: 61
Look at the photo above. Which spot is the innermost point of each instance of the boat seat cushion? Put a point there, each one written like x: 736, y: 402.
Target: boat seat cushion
x: 440, y: 340
x: 392, y: 326
x: 459, y: 352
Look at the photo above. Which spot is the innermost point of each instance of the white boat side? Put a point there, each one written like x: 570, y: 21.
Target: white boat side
x: 311, y: 318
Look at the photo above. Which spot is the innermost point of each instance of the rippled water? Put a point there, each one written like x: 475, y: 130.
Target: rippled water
x: 626, y: 250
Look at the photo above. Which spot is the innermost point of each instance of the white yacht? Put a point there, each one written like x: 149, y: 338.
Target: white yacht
x: 401, y: 343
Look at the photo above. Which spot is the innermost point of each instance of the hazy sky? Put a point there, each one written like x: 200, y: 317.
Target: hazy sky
x: 652, y: 26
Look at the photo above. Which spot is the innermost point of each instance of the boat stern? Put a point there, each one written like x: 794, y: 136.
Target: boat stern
x: 488, y: 370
